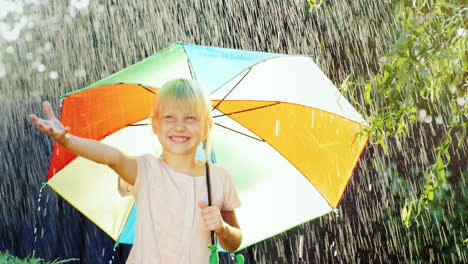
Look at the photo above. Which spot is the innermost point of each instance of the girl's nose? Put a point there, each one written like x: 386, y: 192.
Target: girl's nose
x: 180, y: 125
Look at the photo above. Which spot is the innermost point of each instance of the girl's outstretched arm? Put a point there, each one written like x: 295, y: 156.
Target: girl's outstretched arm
x: 125, y: 166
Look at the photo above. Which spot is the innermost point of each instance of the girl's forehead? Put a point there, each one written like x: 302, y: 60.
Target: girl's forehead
x: 178, y: 108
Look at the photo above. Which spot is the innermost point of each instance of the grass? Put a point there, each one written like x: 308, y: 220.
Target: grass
x: 6, y: 258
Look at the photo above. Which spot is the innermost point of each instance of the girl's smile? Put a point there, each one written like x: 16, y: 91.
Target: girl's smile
x: 179, y: 139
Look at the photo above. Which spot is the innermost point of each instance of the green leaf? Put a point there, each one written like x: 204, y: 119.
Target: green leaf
x: 406, y: 213
x: 344, y: 86
x: 462, y: 138
x: 367, y: 93
x: 441, y: 170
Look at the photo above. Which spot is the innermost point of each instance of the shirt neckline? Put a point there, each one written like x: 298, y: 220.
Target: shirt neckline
x: 185, y: 175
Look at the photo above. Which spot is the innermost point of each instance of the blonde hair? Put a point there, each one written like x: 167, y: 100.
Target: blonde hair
x: 188, y: 93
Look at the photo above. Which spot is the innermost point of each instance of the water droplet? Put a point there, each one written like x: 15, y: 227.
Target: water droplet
x: 2, y: 70
x: 41, y: 68
x: 461, y: 32
x: 48, y: 46
x: 461, y: 101
x: 54, y: 75
x: 72, y: 12
x: 277, y: 127
x: 28, y: 37
x: 439, y: 120
x: 452, y: 89
x: 428, y: 119
x: 96, y: 25
x: 104, y: 74
x: 422, y: 114
x: 10, y: 49
x: 79, y: 4
x: 101, y: 8
x: 80, y: 73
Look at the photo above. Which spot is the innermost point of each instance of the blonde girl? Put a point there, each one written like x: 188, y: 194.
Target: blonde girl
x: 173, y: 219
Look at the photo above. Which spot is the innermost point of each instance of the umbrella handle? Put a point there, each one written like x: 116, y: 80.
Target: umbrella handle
x: 214, y: 257
x: 239, y: 258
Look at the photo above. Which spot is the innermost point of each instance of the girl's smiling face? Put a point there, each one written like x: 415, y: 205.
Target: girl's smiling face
x: 179, y: 130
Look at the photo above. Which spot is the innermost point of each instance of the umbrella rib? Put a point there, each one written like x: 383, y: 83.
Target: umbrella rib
x: 233, y: 130
x: 235, y: 86
x: 246, y: 110
x: 148, y: 89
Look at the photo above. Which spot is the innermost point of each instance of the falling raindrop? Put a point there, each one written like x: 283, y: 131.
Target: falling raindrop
x: 54, y: 75
x: 28, y: 37
x: 422, y: 114
x: 101, y: 9
x: 80, y: 73
x: 2, y: 70
x: 461, y: 32
x: 428, y: 119
x: 48, y: 47
x: 452, y: 89
x: 41, y: 67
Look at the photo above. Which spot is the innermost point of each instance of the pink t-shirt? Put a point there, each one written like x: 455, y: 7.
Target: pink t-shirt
x: 169, y: 227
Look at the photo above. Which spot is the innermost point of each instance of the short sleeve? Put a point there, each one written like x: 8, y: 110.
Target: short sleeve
x: 143, y: 170
x: 231, y: 199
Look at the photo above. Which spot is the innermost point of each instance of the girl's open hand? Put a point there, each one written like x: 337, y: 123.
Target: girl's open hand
x: 212, y: 217
x: 51, y: 125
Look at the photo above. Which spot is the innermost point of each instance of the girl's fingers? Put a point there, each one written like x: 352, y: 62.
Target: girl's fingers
x: 49, y: 112
x: 35, y: 119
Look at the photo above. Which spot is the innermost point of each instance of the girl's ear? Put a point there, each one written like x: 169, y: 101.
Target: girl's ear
x: 154, y: 125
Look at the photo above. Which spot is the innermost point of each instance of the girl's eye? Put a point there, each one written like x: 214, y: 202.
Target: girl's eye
x: 169, y: 117
x: 190, y: 118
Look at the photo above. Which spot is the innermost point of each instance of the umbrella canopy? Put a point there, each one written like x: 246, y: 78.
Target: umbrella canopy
x: 288, y: 137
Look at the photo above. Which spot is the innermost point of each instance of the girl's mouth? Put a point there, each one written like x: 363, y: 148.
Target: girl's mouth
x: 179, y: 139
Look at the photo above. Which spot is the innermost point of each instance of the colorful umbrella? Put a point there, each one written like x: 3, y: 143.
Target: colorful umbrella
x: 283, y: 130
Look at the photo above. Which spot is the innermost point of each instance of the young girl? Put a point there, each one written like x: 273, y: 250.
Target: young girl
x: 173, y: 221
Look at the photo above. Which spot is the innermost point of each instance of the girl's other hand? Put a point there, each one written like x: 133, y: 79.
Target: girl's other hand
x: 212, y: 217
x: 51, y: 125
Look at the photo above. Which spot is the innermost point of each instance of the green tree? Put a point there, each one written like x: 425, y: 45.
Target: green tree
x: 425, y: 71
